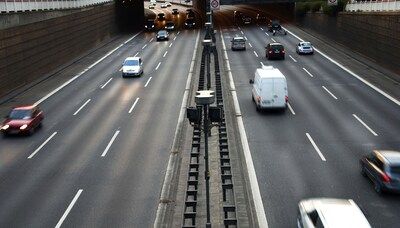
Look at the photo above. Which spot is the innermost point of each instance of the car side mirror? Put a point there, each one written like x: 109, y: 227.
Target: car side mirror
x: 251, y: 81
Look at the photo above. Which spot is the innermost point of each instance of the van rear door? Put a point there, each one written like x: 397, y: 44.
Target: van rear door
x: 266, y: 91
x: 280, y: 92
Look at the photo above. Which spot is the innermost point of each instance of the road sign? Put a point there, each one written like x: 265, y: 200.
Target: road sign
x: 214, y: 4
x: 332, y: 2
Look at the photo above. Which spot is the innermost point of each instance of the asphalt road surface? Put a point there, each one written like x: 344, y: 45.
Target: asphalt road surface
x: 100, y: 158
x: 340, y: 115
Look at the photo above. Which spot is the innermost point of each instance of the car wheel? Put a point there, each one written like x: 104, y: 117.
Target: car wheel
x: 40, y: 125
x: 378, y: 188
x: 31, y: 131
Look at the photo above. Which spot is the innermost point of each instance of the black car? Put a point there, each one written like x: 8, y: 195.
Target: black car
x: 161, y: 16
x: 274, y: 25
x: 275, y: 51
x: 246, y: 20
x: 261, y: 18
x: 170, y: 25
x: 175, y: 11
x: 149, y: 25
x: 382, y: 167
x: 190, y: 23
x: 162, y: 35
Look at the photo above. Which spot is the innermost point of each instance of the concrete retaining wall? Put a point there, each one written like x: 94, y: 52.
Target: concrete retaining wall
x: 375, y: 35
x: 28, y: 52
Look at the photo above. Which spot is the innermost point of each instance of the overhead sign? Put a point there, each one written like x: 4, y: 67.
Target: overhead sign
x: 332, y: 2
x: 214, y: 4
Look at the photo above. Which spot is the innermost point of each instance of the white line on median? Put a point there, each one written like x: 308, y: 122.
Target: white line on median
x: 273, y: 39
x: 64, y: 216
x: 144, y: 46
x: 394, y: 100
x: 110, y: 143
x: 81, y: 73
x: 41, y: 146
x: 294, y: 60
x: 308, y: 72
x: 291, y: 109
x: 170, y: 44
x: 365, y: 125
x: 147, y: 82
x: 316, y: 147
x: 77, y: 111
x: 329, y: 92
x: 250, y: 44
x: 165, y: 54
x: 134, y: 104
x: 158, y: 65
x: 105, y: 84
x: 255, y: 53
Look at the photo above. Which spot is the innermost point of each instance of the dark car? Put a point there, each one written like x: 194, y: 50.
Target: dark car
x: 22, y: 120
x: 275, y: 51
x: 190, y: 13
x: 274, y: 25
x: 237, y: 16
x: 382, y: 167
x: 190, y: 23
x: 175, y: 11
x: 149, y: 25
x: 170, y: 25
x: 246, y: 20
x: 161, y: 16
x: 261, y: 18
x: 162, y: 35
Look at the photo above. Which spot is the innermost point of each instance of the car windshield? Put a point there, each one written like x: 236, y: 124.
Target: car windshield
x: 238, y: 40
x: 277, y: 47
x: 162, y: 33
x: 170, y: 23
x: 395, y: 170
x: 306, y: 44
x: 20, y: 114
x: 131, y: 62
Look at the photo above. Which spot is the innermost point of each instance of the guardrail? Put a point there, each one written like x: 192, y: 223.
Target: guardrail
x: 7, y: 6
x: 370, y: 6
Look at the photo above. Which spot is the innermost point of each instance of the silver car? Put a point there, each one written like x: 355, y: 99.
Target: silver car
x: 238, y: 43
x: 304, y: 48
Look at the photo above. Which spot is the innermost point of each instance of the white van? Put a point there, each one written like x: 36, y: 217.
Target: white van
x: 269, y: 88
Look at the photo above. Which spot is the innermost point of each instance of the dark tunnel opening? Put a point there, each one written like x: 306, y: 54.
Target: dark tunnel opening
x: 129, y: 15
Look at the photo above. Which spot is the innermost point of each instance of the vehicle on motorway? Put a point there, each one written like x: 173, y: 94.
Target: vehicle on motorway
x: 151, y: 6
x: 162, y: 35
x: 261, y: 18
x: 238, y: 43
x: 187, y: 1
x: 168, y: 4
x: 190, y: 13
x: 304, y: 48
x: 164, y: 5
x: 170, y: 25
x: 269, y: 89
x: 22, y: 120
x: 275, y: 51
x: 275, y: 27
x: 149, y: 25
x: 132, y: 66
x: 190, y: 23
x: 329, y: 212
x: 175, y: 11
x: 237, y: 16
x: 382, y: 167
x: 161, y: 16
x: 246, y: 20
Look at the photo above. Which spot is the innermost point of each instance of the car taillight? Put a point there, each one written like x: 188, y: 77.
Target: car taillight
x: 385, y: 178
x: 283, y: 51
x: 286, y: 99
x: 270, y: 52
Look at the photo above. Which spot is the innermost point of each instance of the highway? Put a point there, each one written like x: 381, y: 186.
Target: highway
x: 99, y: 159
x: 313, y: 149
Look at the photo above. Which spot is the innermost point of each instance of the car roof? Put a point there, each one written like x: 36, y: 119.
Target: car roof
x: 269, y: 72
x: 390, y: 156
x: 275, y: 44
x: 337, y: 212
x: 28, y: 107
x: 238, y: 38
x: 132, y: 58
x: 305, y: 42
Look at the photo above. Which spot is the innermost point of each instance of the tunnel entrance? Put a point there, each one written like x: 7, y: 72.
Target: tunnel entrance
x: 129, y: 15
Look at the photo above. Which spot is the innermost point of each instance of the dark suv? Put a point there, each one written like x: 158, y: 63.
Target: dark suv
x: 382, y: 167
x: 275, y: 51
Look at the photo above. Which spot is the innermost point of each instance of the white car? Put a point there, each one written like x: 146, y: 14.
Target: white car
x: 304, y: 48
x: 132, y: 66
x: 164, y: 5
x: 326, y: 212
x: 151, y: 6
x: 168, y: 4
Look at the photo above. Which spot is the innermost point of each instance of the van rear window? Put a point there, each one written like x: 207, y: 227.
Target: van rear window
x: 395, y: 170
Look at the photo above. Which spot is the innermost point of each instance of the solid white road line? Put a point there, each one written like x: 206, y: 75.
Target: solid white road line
x: 255, y: 189
x: 365, y: 125
x: 291, y: 109
x: 316, y: 147
x: 134, y: 104
x: 173, y: 156
x: 71, y: 205
x: 41, y: 146
x: 273, y: 39
x: 105, y: 84
x: 255, y: 53
x: 329, y: 92
x: 250, y: 44
x: 308, y: 72
x: 147, y: 82
x: 84, y: 71
x: 110, y: 143
x: 294, y: 60
x: 394, y: 100
x: 77, y: 111
x: 158, y: 65
x: 144, y: 46
x: 136, y: 54
x: 165, y: 54
x: 170, y: 44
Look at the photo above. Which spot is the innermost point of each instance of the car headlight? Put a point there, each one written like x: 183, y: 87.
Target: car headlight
x: 145, y: 26
x: 23, y: 127
x: 5, y: 127
x: 152, y: 26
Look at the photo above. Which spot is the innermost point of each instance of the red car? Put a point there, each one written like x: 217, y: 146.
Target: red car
x: 22, y: 120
